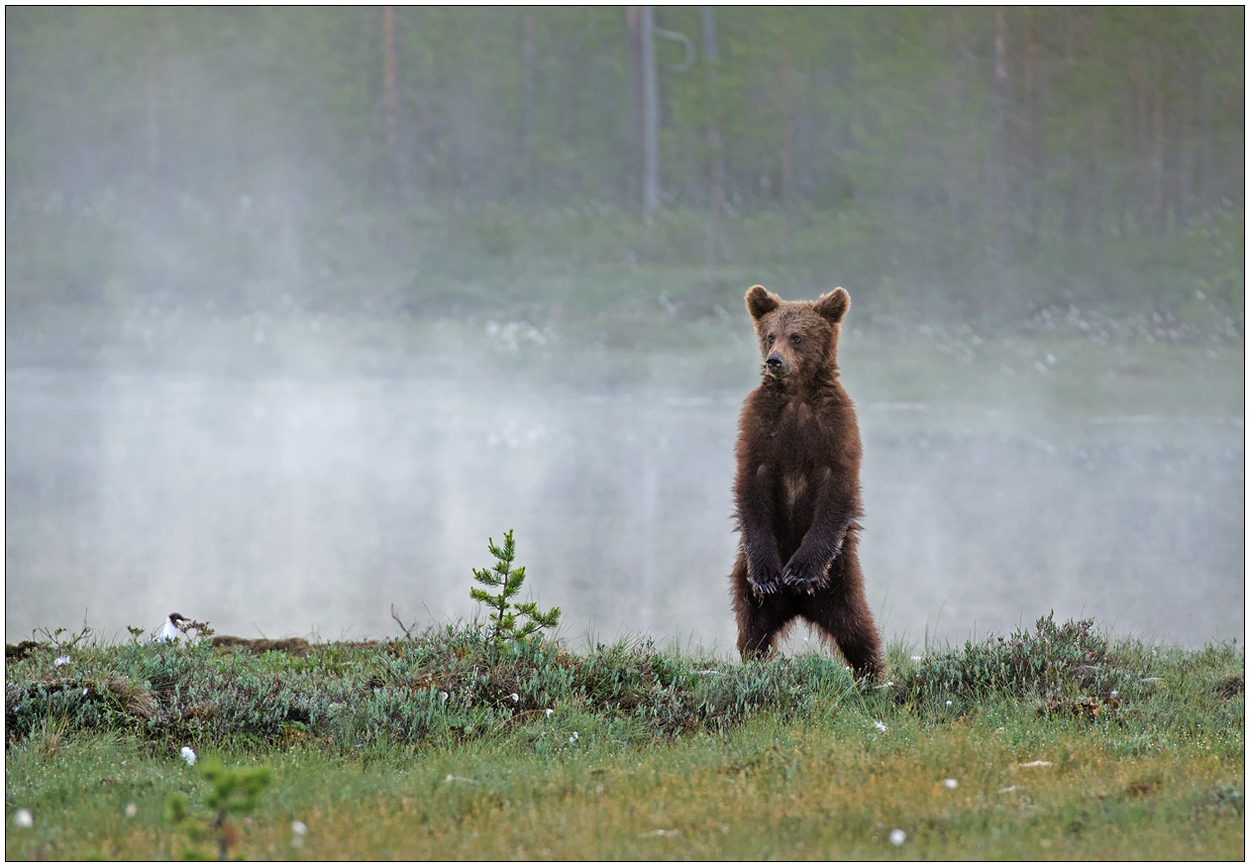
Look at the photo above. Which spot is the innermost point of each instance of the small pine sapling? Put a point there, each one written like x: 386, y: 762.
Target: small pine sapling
x: 234, y: 791
x: 509, y: 580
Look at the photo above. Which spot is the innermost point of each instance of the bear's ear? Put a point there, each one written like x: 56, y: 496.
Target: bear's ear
x: 834, y: 305
x: 761, y: 302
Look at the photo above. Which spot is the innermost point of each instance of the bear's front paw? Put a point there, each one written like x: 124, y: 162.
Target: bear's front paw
x: 803, y: 576
x: 764, y: 582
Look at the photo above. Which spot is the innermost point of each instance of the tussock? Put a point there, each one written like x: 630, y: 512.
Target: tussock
x: 451, y: 684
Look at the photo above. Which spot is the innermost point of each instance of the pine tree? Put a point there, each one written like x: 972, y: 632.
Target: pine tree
x: 509, y: 580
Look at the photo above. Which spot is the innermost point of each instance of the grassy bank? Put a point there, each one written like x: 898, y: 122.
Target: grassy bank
x: 1052, y: 742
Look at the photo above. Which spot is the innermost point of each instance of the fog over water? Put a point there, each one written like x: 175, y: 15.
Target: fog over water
x: 303, y: 304
x: 282, y: 506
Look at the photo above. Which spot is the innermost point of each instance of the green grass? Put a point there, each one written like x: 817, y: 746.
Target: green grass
x: 645, y: 753
x: 769, y: 789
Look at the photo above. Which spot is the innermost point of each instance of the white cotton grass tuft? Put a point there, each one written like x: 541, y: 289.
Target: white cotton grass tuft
x: 515, y: 698
x: 61, y: 660
x: 23, y: 818
x: 188, y: 755
x: 574, y: 738
x: 950, y: 784
x: 132, y: 810
x: 298, y: 828
x: 879, y: 725
x: 898, y: 836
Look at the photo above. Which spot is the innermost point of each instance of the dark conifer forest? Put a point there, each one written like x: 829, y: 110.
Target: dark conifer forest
x: 945, y: 162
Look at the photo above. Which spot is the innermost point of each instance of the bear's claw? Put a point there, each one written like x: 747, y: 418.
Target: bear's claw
x: 802, y: 579
x: 765, y: 585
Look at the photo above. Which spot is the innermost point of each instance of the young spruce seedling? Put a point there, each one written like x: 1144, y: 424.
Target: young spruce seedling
x: 509, y: 580
x: 234, y: 791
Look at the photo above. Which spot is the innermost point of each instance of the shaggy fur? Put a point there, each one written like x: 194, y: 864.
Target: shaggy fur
x: 797, y: 487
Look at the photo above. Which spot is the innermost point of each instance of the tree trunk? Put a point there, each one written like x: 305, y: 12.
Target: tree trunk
x: 953, y: 166
x: 787, y: 139
x: 1159, y: 205
x: 154, y: 129
x: 1138, y: 143
x: 1208, y: 189
x: 1002, y: 193
x: 716, y: 197
x: 527, y: 95
x: 159, y: 68
x: 1031, y: 170
x: 650, y: 116
x: 634, y: 136
x: 390, y: 101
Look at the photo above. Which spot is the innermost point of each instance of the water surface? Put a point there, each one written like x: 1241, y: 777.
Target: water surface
x: 294, y: 506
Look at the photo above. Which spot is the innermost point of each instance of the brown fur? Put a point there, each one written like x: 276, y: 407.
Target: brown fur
x: 797, y: 487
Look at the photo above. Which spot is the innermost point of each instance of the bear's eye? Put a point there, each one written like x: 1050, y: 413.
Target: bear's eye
x: 771, y: 338
x: 796, y: 339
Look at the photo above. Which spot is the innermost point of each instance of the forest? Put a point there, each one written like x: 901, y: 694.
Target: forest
x: 951, y: 163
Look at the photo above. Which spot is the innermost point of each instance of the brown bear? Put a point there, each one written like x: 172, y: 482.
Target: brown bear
x: 797, y: 487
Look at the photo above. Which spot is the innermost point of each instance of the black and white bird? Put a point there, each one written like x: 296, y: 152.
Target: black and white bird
x: 173, y: 628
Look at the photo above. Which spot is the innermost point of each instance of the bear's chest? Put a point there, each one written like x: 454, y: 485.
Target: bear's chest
x: 798, y: 444
x: 794, y: 439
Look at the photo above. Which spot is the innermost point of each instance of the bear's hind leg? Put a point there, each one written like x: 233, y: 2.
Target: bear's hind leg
x: 761, y: 621
x: 841, y: 612
x: 759, y: 631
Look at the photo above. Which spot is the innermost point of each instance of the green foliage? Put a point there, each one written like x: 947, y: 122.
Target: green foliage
x: 885, y: 149
x: 233, y: 791
x: 497, y: 230
x: 509, y: 580
x: 1045, y: 662
x: 582, y: 785
x: 442, y: 745
x: 63, y: 639
x: 454, y: 683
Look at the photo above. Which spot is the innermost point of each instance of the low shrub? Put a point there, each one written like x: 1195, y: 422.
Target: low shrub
x: 452, y: 683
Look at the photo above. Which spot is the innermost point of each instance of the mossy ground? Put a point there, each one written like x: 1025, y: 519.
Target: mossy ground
x: 645, y: 754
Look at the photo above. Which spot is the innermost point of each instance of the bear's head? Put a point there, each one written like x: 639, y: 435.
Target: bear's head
x: 797, y: 337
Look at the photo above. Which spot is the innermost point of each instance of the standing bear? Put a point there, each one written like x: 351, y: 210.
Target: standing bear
x: 797, y: 487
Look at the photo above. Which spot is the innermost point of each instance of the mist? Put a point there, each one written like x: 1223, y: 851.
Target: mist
x: 303, y: 306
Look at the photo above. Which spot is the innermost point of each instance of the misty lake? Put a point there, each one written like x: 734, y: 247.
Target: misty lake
x: 289, y: 506
x: 303, y: 305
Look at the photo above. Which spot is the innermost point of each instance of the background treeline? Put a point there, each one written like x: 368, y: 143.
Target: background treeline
x: 938, y: 161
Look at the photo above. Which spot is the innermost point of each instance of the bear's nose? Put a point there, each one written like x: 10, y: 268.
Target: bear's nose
x: 773, y: 362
